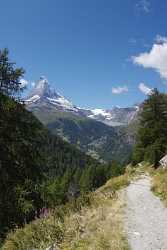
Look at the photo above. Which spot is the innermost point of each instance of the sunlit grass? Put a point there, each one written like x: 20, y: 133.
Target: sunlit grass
x: 159, y: 185
x: 92, y: 222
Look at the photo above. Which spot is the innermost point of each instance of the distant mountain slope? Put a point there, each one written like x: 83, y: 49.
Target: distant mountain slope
x: 76, y: 125
x: 93, y: 137
x: 43, y: 95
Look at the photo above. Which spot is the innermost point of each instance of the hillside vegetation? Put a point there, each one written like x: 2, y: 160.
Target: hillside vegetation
x: 159, y: 186
x: 91, y: 222
x: 37, y: 170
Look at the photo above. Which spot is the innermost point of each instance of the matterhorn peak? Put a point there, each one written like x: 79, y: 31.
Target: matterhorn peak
x: 46, y: 98
x: 41, y: 86
x: 42, y: 91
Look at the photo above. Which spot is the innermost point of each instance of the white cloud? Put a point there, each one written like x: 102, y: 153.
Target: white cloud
x: 119, y: 90
x: 156, y: 58
x: 23, y: 83
x: 161, y: 39
x: 145, y: 89
x: 144, y: 6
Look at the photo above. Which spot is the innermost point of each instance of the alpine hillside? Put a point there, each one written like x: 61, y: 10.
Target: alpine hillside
x: 100, y: 133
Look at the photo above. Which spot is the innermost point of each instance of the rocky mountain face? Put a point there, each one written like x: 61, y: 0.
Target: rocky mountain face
x: 42, y: 94
x: 100, y: 133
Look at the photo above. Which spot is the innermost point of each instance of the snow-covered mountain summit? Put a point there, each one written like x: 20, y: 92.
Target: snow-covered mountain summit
x: 46, y: 99
x: 42, y: 92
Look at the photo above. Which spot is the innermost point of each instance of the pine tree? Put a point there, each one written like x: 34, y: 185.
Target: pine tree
x: 9, y: 75
x: 152, y: 134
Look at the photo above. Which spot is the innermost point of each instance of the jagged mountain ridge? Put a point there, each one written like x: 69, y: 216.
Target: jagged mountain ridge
x: 43, y: 94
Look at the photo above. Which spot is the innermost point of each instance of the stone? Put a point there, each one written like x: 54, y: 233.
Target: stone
x: 163, y: 162
x: 53, y: 247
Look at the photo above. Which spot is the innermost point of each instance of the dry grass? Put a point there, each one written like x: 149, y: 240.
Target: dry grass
x: 159, y: 185
x: 97, y: 225
x: 36, y: 235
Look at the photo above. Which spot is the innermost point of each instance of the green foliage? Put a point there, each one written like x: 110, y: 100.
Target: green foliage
x: 152, y: 134
x: 52, y: 192
x: 138, y: 154
x: 21, y: 163
x: 9, y: 75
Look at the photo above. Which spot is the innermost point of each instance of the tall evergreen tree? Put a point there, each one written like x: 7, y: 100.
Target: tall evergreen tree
x: 152, y: 134
x: 9, y: 74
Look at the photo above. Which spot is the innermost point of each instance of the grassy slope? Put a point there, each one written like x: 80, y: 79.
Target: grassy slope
x: 91, y: 222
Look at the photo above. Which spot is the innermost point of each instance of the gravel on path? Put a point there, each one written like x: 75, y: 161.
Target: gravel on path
x: 145, y: 217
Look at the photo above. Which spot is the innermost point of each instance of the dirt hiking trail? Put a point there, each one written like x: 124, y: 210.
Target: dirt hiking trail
x: 145, y: 217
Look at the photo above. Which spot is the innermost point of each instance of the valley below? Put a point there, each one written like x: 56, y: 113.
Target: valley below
x: 106, y: 135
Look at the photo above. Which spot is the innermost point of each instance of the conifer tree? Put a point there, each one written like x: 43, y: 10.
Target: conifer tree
x: 9, y: 74
x: 152, y: 134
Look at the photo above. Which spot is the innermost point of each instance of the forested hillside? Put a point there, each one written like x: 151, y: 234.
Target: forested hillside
x: 95, y: 138
x: 37, y: 170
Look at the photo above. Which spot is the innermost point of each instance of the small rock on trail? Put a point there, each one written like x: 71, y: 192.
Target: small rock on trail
x: 145, y: 217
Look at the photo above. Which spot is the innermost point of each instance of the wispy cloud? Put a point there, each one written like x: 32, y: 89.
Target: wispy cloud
x: 144, y: 89
x: 156, y: 58
x: 143, y: 6
x: 119, y: 90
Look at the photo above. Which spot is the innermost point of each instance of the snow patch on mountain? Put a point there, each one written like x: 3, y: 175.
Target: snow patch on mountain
x: 100, y: 112
x: 42, y: 93
x: 60, y: 100
x: 33, y: 99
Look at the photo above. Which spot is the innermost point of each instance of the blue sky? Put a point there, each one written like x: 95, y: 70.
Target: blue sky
x: 90, y: 50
